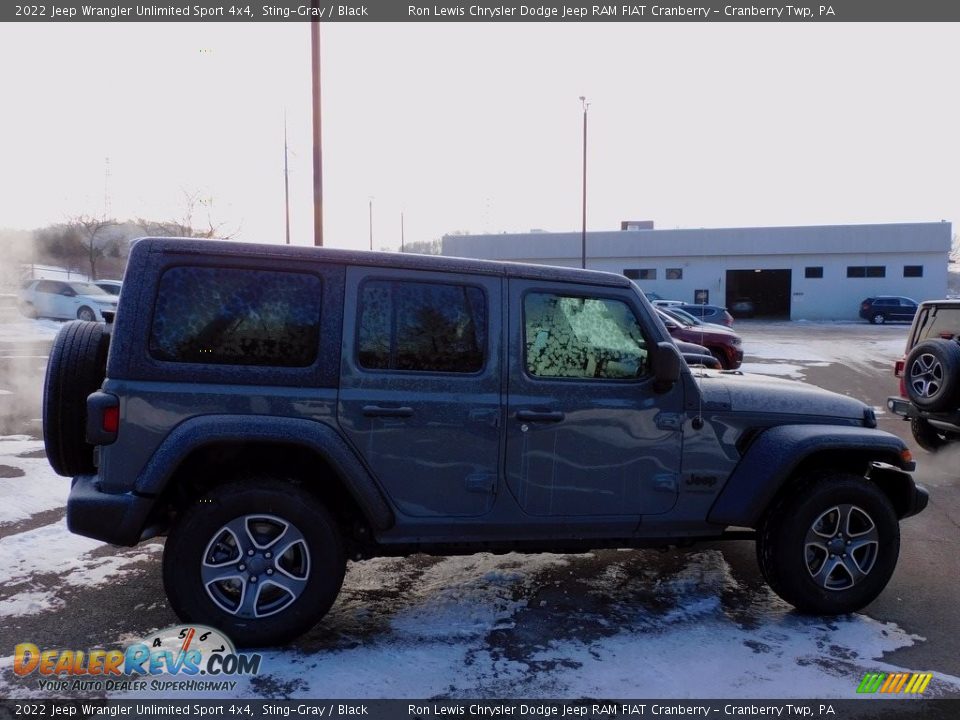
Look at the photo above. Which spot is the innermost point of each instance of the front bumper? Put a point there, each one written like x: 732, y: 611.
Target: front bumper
x: 118, y: 519
x: 918, y: 501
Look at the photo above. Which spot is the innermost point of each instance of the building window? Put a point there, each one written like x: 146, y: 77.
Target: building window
x: 641, y: 273
x: 913, y: 270
x: 866, y: 271
x: 674, y: 274
x: 813, y: 272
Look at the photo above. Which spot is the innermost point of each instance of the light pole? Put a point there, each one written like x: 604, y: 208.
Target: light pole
x: 317, y: 135
x: 583, y: 231
x: 370, y: 200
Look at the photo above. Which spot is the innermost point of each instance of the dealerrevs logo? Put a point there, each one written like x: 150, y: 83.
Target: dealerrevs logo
x: 187, y: 651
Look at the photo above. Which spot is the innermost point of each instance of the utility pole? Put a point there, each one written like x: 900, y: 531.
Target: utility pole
x: 583, y: 231
x: 370, y: 201
x: 401, y: 231
x: 286, y: 178
x: 317, y: 137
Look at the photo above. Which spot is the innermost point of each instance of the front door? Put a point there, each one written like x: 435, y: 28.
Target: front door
x: 587, y: 435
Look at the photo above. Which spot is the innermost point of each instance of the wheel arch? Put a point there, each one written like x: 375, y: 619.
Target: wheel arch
x: 212, y: 450
x: 783, y: 454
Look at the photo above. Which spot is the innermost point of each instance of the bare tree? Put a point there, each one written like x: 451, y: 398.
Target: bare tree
x: 89, y: 231
x: 194, y: 203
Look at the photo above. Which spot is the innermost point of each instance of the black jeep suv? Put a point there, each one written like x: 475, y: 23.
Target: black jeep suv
x: 276, y: 411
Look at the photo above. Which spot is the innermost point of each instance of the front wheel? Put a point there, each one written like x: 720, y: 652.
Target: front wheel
x: 86, y: 314
x: 878, y: 319
x: 831, y: 545
x: 261, y: 560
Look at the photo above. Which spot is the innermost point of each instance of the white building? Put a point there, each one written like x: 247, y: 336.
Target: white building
x: 816, y: 272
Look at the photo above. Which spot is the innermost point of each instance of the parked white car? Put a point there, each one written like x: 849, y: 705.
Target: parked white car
x: 66, y: 300
x: 110, y: 287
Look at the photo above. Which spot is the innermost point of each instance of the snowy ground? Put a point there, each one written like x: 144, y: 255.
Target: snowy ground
x: 614, y: 624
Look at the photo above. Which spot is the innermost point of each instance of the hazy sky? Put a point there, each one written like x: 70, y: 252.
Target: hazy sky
x: 477, y: 127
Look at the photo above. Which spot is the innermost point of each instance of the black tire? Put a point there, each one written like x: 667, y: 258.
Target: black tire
x: 878, y: 319
x: 86, y: 314
x: 721, y: 358
x: 932, y: 375
x: 821, y: 575
x: 314, y: 564
x: 76, y: 368
x: 927, y: 436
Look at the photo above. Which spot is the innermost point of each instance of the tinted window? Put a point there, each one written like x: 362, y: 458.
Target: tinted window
x: 859, y: 271
x: 236, y: 317
x: 813, y: 272
x: 641, y: 273
x: 422, y: 327
x: 913, y: 270
x: 575, y: 337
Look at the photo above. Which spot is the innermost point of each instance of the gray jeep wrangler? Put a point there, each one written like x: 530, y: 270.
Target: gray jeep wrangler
x: 276, y: 410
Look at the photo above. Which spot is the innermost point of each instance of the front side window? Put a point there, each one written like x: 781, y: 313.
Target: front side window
x: 233, y: 316
x: 422, y: 327
x: 586, y: 338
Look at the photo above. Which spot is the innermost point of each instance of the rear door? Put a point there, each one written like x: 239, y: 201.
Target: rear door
x: 586, y: 433
x: 420, y: 386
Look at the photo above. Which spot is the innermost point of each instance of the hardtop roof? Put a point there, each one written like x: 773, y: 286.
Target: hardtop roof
x: 438, y: 263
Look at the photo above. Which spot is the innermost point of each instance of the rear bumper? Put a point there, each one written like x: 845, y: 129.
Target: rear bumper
x: 118, y: 519
x: 900, y: 406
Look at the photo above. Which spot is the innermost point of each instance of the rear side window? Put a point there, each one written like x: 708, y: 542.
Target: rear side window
x: 232, y: 316
x: 422, y: 327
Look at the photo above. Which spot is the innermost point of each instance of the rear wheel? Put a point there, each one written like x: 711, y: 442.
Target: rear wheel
x: 86, y: 314
x: 261, y: 560
x: 76, y: 368
x: 878, y: 319
x: 830, y: 546
x: 927, y: 436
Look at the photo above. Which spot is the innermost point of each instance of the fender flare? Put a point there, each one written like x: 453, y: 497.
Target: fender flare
x: 323, y: 439
x: 774, y: 455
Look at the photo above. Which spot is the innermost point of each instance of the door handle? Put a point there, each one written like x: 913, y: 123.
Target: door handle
x: 539, y: 416
x: 390, y: 412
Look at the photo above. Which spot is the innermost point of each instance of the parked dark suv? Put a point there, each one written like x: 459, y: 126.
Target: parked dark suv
x: 929, y: 373
x: 277, y: 410
x: 885, y: 308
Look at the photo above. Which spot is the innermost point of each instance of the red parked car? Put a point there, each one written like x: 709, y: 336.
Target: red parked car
x: 724, y: 344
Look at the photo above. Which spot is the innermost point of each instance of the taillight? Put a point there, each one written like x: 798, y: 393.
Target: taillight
x: 898, y: 367
x: 111, y: 419
x: 103, y: 418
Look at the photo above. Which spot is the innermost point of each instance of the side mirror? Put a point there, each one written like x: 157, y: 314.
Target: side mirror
x: 670, y: 325
x: 667, y: 366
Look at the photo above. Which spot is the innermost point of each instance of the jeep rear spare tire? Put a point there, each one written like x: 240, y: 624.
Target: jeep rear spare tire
x: 76, y: 368
x: 932, y: 374
x: 261, y: 560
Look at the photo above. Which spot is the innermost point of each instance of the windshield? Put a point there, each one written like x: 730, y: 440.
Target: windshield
x: 683, y: 316
x: 81, y: 288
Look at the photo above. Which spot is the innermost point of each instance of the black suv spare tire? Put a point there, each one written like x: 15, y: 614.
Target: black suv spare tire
x: 76, y: 368
x: 932, y: 375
